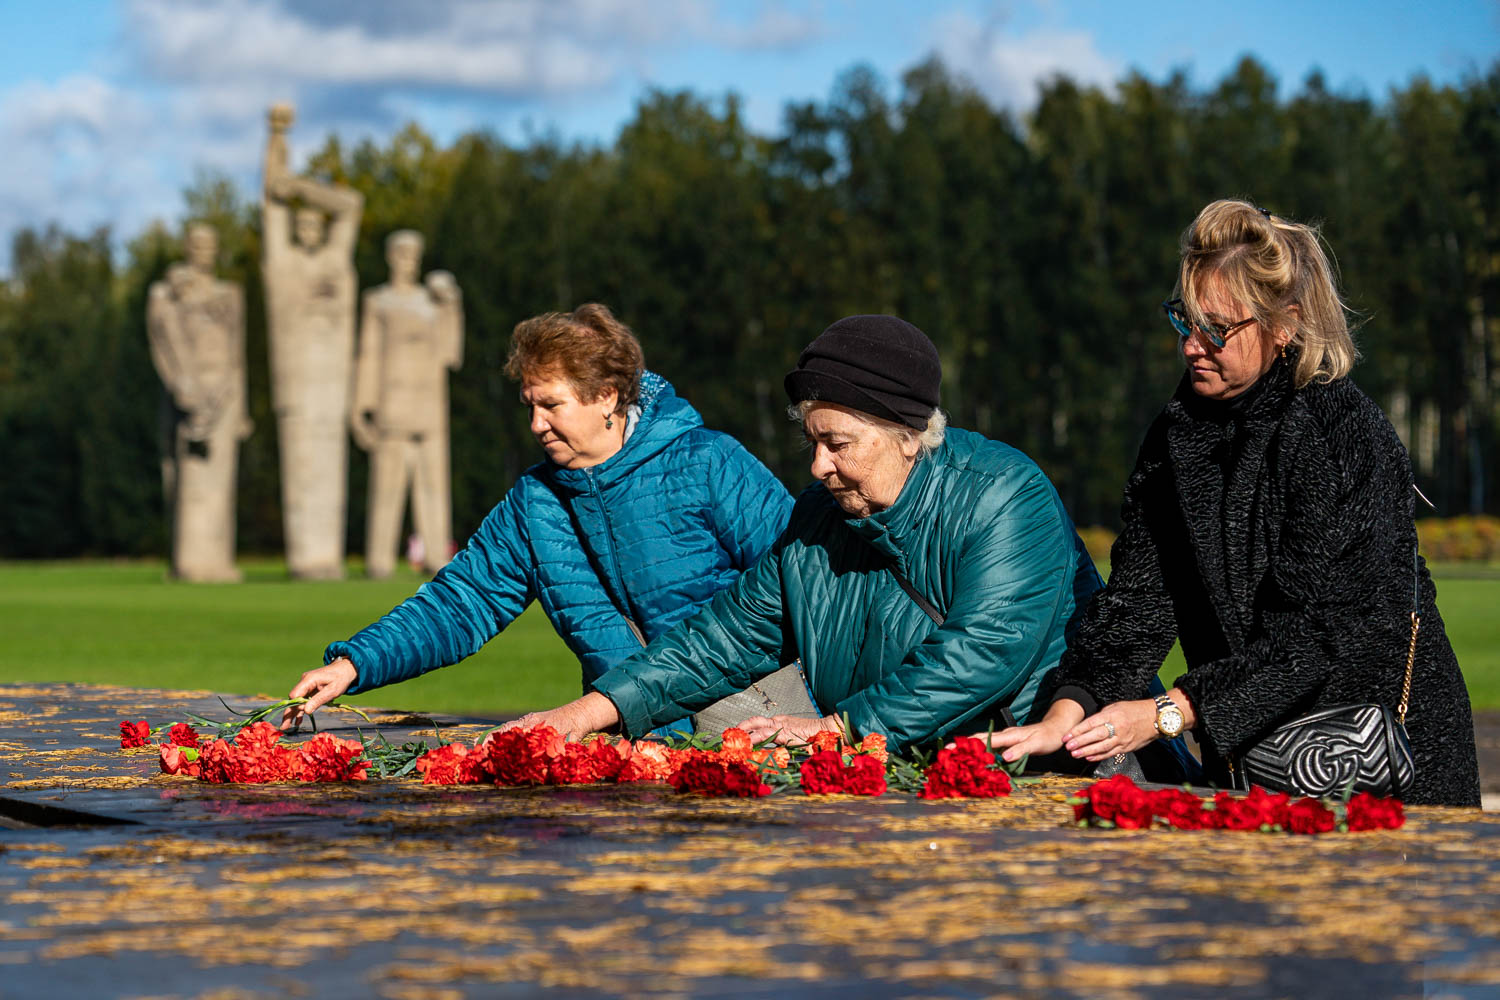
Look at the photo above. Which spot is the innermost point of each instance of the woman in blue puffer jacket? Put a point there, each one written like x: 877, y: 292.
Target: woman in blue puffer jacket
x: 638, y: 516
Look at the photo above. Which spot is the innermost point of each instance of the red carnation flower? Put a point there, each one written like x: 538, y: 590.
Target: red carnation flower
x: 1181, y: 810
x: 1366, y: 812
x: 737, y: 745
x: 824, y: 739
x: 573, y: 766
x: 134, y: 734
x: 608, y: 758
x: 702, y: 774
x: 177, y: 760
x: 1310, y: 816
x: 648, y: 761
x: 451, y: 764
x: 826, y: 773
x: 522, y: 756
x: 965, y: 772
x: 183, y: 735
x: 325, y: 757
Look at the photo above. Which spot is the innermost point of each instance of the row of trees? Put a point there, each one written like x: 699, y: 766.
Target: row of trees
x: 1035, y: 253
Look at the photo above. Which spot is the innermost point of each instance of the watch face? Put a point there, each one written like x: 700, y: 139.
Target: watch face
x: 1170, y: 721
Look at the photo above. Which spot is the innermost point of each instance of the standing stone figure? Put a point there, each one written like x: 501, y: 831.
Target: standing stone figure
x: 410, y: 336
x: 310, y: 291
x: 196, y: 323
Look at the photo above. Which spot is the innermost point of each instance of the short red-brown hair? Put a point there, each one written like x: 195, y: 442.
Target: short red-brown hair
x: 588, y: 348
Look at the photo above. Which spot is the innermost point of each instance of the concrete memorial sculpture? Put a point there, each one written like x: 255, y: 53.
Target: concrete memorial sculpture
x: 411, y: 335
x: 309, y: 229
x: 196, y: 323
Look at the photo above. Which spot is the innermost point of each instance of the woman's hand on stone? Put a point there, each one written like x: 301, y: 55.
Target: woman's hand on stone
x: 590, y: 714
x: 1122, y: 727
x: 319, y: 687
x: 788, y: 729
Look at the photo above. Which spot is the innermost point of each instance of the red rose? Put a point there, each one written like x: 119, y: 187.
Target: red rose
x: 1366, y: 812
x: 183, y: 735
x: 1310, y: 816
x: 134, y: 734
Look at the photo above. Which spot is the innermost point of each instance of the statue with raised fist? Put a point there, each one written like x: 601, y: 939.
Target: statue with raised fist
x: 309, y: 230
x: 196, y: 323
x: 411, y: 335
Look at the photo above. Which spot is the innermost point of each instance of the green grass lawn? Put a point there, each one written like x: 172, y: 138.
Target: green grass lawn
x: 125, y: 623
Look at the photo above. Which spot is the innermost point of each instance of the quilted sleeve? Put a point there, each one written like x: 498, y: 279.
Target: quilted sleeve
x: 749, y: 506
x: 481, y: 591
x: 728, y: 645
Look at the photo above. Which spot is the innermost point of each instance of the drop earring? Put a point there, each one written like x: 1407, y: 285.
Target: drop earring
x: 1283, y: 350
x: 609, y: 420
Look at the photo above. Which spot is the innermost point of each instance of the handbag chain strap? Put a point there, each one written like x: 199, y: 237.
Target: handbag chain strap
x: 1416, y: 623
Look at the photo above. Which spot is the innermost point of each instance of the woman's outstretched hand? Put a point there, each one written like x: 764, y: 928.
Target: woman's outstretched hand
x: 590, y: 714
x: 788, y: 729
x: 319, y: 687
x: 1038, y: 738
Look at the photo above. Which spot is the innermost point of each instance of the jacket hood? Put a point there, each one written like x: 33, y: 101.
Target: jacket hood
x: 665, y: 417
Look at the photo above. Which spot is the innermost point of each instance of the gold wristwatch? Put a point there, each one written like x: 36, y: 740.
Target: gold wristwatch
x: 1168, y: 718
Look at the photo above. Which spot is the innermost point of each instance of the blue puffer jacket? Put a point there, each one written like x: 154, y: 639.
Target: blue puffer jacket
x: 978, y: 530
x: 668, y: 521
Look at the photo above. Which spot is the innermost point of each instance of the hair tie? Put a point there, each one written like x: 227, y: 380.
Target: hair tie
x: 1264, y: 211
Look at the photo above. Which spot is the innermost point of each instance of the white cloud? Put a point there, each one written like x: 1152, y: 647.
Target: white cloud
x: 190, y: 82
x: 1007, y: 65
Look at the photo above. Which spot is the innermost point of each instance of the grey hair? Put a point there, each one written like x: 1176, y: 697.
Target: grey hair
x: 929, y: 439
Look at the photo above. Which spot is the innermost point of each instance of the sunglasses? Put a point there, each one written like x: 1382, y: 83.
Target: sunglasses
x: 1217, y: 333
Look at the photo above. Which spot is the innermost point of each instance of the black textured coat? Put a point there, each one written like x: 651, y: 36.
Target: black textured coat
x: 1273, y: 535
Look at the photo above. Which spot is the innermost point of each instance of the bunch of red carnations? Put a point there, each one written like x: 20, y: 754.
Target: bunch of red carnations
x: 258, y: 756
x: 968, y: 770
x: 1119, y: 802
x: 541, y: 756
x: 838, y: 768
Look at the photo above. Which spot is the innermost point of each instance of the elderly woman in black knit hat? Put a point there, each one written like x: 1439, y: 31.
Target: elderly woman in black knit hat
x: 926, y: 580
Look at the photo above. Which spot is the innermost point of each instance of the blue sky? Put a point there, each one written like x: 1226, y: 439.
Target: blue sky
x: 107, y: 107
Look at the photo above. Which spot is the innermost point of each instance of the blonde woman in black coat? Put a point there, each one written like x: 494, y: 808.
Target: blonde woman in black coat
x: 1268, y: 525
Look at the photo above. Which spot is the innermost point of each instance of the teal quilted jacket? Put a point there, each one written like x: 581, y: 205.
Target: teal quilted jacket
x: 671, y: 519
x: 978, y: 530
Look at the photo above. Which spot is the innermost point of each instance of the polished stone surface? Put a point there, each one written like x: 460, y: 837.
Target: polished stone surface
x: 390, y: 889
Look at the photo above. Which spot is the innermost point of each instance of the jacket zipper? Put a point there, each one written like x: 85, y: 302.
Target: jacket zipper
x: 628, y: 612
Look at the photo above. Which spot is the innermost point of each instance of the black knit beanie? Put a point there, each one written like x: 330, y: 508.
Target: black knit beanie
x: 879, y: 365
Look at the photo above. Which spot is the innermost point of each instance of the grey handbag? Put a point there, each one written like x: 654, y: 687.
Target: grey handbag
x: 781, y: 693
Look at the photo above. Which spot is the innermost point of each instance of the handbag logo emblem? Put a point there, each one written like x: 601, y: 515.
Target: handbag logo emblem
x: 1321, y: 766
